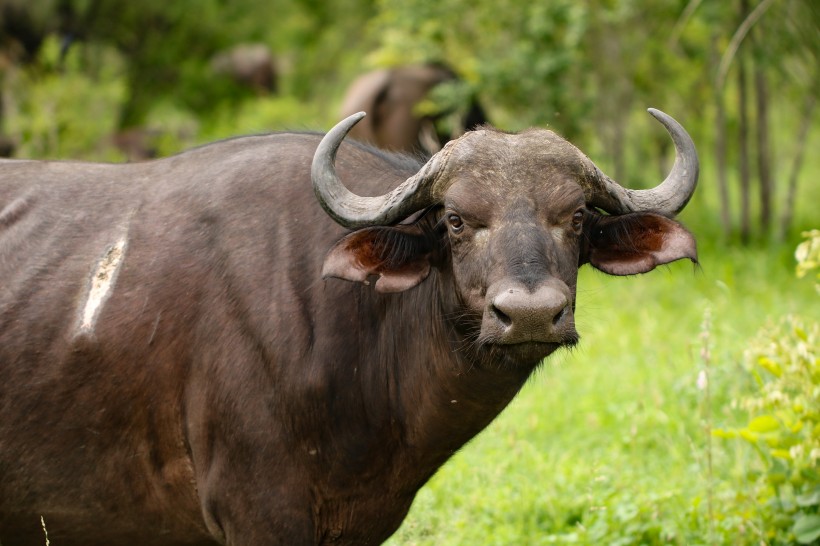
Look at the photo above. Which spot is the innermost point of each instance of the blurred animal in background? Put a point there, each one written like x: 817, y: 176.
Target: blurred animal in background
x: 249, y: 65
x: 6, y: 146
x: 391, y: 96
x: 137, y: 143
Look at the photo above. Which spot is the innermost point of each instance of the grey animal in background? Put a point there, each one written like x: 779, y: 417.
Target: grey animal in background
x: 389, y: 98
x: 229, y: 346
x: 251, y: 65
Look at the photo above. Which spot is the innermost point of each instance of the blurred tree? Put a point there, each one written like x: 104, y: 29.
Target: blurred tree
x: 168, y: 46
x: 720, y: 147
x: 24, y: 24
x: 23, y: 27
x: 800, y: 68
x: 761, y: 91
x: 792, y: 58
x: 580, y: 67
x: 521, y: 57
x: 743, y: 133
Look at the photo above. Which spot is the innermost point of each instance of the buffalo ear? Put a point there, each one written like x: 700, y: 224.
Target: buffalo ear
x: 637, y: 243
x: 399, y: 255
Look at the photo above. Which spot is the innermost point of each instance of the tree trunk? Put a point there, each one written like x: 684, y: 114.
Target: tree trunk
x: 720, y: 147
x: 743, y: 150
x: 797, y: 163
x: 763, y: 147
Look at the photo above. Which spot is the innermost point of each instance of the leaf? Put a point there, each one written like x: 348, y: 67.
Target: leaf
x: 807, y: 528
x: 810, y: 498
x: 770, y: 366
x: 801, y: 253
x: 764, y: 424
x: 776, y: 478
x: 782, y: 454
x: 723, y: 433
x: 748, y: 435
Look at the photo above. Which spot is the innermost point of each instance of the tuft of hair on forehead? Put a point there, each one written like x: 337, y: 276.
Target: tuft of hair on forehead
x: 491, y: 149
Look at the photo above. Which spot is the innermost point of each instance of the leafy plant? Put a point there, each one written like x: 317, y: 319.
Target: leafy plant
x: 784, y: 419
x: 58, y: 108
x: 808, y: 255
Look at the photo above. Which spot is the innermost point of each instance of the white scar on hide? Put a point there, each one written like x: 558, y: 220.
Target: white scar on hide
x: 102, y: 281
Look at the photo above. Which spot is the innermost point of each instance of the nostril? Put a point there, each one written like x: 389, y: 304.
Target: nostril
x: 502, y: 317
x: 561, y: 314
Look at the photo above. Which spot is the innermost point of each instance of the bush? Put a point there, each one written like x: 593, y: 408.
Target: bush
x: 808, y: 256
x: 784, y: 420
x: 61, y: 109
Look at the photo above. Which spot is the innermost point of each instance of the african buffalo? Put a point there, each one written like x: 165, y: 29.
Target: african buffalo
x: 182, y: 361
x: 249, y: 65
x: 390, y: 97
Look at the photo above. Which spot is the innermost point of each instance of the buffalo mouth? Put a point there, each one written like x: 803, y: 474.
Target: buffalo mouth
x: 526, y: 354
x: 497, y: 349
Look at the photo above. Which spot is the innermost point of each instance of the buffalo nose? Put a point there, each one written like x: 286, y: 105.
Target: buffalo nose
x: 516, y: 315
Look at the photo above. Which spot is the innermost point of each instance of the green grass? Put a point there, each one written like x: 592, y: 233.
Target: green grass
x: 606, y: 445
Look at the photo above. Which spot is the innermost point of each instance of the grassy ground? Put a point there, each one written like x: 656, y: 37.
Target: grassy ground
x: 606, y: 445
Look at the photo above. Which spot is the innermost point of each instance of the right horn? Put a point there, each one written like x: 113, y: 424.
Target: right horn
x: 353, y: 211
x: 671, y: 195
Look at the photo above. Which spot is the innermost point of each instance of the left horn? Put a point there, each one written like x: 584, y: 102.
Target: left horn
x: 353, y: 211
x: 671, y: 195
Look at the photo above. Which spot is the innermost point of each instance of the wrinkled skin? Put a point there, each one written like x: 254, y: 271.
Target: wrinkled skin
x: 223, y: 392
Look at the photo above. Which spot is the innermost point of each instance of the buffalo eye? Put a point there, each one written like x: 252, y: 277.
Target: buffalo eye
x: 455, y: 222
x: 578, y: 220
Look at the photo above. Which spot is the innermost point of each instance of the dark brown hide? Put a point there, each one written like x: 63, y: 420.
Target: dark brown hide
x: 390, y: 97
x: 174, y: 370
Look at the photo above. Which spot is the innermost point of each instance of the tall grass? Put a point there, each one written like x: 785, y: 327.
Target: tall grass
x: 606, y: 445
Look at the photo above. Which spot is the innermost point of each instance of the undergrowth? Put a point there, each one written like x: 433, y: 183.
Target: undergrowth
x: 783, y: 427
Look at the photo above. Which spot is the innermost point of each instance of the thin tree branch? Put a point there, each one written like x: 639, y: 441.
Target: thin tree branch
x: 680, y: 24
x: 738, y: 37
x: 797, y: 162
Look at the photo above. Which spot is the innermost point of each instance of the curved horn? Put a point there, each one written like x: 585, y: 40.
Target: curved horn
x: 671, y: 195
x: 353, y: 211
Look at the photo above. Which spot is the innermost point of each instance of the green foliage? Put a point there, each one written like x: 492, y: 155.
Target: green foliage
x: 263, y: 114
x: 511, y: 54
x: 63, y: 109
x: 784, y: 428
x: 808, y: 255
x: 168, y: 46
x: 783, y: 425
x: 589, y: 68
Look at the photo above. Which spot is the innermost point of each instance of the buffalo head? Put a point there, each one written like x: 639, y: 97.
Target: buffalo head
x: 506, y: 219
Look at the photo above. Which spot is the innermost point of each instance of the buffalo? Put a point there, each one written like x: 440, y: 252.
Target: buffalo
x: 391, y: 97
x: 248, y: 65
x: 203, y: 349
